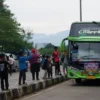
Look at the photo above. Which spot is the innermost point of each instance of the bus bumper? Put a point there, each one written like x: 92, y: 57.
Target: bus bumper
x: 80, y: 75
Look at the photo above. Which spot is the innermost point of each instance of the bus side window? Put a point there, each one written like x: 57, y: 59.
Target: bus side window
x: 74, y: 47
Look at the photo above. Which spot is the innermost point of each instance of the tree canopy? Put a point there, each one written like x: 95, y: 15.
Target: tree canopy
x: 49, y: 48
x: 12, y: 36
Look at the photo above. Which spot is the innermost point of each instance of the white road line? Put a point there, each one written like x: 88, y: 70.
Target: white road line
x: 38, y: 93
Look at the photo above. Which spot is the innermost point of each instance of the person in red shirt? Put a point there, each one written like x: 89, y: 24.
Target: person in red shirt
x: 56, y: 61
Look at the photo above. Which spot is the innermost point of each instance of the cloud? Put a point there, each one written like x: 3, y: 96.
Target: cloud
x: 51, y: 16
x: 44, y: 16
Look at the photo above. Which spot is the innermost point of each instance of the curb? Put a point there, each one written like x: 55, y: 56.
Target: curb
x: 31, y: 88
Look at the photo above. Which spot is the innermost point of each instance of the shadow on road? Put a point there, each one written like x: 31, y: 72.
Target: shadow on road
x: 91, y: 83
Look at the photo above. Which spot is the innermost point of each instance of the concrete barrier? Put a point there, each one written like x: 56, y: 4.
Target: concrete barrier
x: 15, y: 93
x: 31, y: 88
x: 3, y: 96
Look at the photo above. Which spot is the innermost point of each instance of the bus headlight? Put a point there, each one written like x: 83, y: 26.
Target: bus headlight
x: 73, y: 69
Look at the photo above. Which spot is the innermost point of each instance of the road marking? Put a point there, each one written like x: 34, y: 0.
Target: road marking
x: 38, y: 93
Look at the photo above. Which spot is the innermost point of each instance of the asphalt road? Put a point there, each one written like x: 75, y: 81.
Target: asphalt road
x: 89, y: 90
x: 13, y: 80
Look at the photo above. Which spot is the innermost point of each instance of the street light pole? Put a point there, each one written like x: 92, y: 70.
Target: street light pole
x: 80, y: 10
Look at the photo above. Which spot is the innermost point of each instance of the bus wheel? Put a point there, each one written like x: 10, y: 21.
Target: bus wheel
x: 78, y: 81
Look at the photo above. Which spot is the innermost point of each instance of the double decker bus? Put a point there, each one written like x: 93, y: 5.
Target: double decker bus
x: 83, y: 51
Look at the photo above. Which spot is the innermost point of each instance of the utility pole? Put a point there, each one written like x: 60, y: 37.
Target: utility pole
x: 80, y: 10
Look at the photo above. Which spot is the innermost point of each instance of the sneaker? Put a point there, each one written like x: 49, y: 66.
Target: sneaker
x: 38, y: 79
x: 3, y: 89
x: 7, y: 89
x: 19, y: 84
x: 25, y: 83
x: 60, y: 74
x: 33, y: 79
x: 44, y: 78
x: 51, y: 77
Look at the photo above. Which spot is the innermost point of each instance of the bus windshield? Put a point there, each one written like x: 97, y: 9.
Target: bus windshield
x: 87, y: 51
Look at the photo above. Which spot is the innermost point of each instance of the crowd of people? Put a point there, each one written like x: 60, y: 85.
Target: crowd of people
x: 46, y: 64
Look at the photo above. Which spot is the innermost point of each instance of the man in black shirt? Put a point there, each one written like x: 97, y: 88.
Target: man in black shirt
x: 4, y: 72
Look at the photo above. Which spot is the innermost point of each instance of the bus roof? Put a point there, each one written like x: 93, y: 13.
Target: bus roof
x: 86, y: 22
x: 85, y: 29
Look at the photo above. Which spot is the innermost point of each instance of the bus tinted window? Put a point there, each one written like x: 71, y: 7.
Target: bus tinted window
x: 85, y: 29
x: 85, y: 51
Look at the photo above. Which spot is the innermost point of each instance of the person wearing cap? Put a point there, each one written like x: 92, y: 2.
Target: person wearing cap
x: 23, y: 66
x: 4, y: 72
x: 35, y: 64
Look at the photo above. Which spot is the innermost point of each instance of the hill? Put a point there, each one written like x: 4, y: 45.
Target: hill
x: 55, y: 39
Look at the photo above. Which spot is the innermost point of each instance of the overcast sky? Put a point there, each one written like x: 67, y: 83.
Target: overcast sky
x: 51, y: 16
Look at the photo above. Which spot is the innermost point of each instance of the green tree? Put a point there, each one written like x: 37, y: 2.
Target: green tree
x: 49, y: 45
x: 48, y: 50
x: 27, y: 36
x: 11, y: 36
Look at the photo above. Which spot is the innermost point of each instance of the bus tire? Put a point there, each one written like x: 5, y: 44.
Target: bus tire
x: 78, y: 81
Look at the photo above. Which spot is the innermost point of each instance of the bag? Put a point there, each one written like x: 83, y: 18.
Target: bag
x: 28, y: 64
x: 53, y: 59
x: 44, y: 66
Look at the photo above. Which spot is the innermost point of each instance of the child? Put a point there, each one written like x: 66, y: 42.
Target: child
x: 43, y: 59
x: 4, y: 72
x: 49, y: 68
x: 44, y: 67
x: 23, y: 66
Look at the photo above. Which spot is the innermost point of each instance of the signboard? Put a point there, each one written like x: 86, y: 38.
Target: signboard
x: 91, y: 68
x: 88, y: 32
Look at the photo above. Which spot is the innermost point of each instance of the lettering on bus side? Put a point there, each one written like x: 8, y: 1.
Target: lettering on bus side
x: 89, y: 32
x: 84, y: 29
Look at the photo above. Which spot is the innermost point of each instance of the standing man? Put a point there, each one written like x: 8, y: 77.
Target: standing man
x: 4, y: 72
x: 56, y: 61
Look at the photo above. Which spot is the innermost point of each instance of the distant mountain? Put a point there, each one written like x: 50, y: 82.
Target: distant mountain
x: 55, y: 39
x: 40, y: 45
